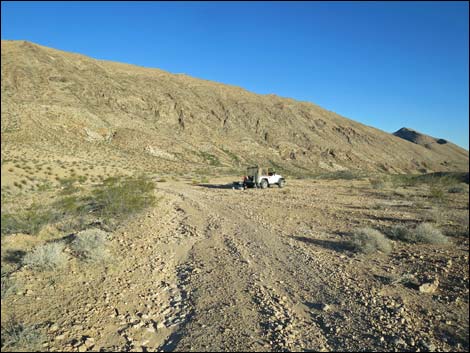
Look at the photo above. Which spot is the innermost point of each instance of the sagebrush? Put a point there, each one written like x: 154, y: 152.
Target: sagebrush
x: 45, y: 257
x: 368, y: 240
x: 90, y: 245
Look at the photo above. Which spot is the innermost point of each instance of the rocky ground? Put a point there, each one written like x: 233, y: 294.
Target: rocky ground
x: 210, y: 268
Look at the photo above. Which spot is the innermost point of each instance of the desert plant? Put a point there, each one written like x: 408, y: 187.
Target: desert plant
x: 436, y: 192
x: 368, y: 240
x: 90, y: 245
x: 21, y: 338
x: 120, y: 196
x: 377, y: 183
x: 423, y: 233
x: 342, y: 174
x: 427, y: 233
x: 46, y: 257
x: 28, y: 222
x: 456, y: 189
x: 8, y: 284
x: 398, y: 232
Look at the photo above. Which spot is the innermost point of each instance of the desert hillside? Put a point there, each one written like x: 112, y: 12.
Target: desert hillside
x: 54, y: 101
x: 122, y: 229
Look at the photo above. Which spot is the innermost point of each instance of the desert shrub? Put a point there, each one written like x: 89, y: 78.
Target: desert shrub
x: 8, y: 284
x: 342, y: 174
x: 427, y: 233
x: 17, y: 337
x: 368, y: 240
x: 28, y: 222
x: 90, y: 245
x: 46, y: 257
x: 436, y: 192
x: 423, y: 233
x: 68, y: 186
x: 121, y: 197
x: 398, y: 232
x: 45, y: 186
x: 377, y: 183
x: 456, y: 189
x: 210, y: 158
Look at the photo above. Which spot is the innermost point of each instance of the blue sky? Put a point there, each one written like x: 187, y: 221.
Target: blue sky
x: 384, y: 64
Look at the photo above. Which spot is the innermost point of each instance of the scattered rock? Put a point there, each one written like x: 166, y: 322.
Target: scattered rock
x: 429, y: 287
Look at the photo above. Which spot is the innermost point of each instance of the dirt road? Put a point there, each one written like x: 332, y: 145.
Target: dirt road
x: 216, y: 269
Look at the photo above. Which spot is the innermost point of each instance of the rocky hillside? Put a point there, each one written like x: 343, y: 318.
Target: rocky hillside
x: 54, y: 102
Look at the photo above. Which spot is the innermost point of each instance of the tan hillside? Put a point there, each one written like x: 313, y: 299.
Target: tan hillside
x: 446, y: 149
x: 122, y: 229
x: 54, y: 101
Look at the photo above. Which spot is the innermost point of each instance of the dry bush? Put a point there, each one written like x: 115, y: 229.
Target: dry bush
x: 46, y: 257
x: 17, y: 337
x: 427, y: 233
x: 8, y: 284
x: 423, y: 233
x: 90, y: 245
x: 368, y: 240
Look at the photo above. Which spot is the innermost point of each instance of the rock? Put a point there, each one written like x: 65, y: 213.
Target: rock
x: 429, y: 346
x: 54, y: 328
x: 89, y: 342
x: 325, y: 307
x: 398, y: 341
x: 429, y: 287
x: 60, y: 337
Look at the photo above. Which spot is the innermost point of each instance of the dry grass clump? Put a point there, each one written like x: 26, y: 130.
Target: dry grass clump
x: 46, y: 257
x: 423, y: 233
x: 90, y: 245
x: 9, y: 285
x: 368, y: 240
x: 17, y: 337
x: 427, y: 233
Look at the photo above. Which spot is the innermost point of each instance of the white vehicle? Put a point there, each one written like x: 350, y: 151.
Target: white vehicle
x: 262, y: 178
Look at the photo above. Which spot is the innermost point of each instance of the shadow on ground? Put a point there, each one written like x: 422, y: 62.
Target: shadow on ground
x: 216, y: 186
x: 14, y: 256
x: 338, y: 246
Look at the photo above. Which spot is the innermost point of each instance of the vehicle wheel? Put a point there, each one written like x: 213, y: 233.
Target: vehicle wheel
x: 281, y: 183
x: 264, y: 184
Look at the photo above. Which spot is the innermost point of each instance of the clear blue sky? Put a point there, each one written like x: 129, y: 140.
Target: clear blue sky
x: 385, y: 64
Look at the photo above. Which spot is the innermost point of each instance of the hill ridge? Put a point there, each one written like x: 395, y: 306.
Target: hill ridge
x: 72, y: 103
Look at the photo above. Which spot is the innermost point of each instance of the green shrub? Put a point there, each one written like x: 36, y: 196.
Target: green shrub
x: 120, y: 197
x: 456, y: 189
x: 17, y: 337
x: 28, y: 222
x: 342, y: 174
x: 49, y: 256
x: 436, y: 192
x: 90, y: 245
x: 68, y: 186
x: 368, y: 240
